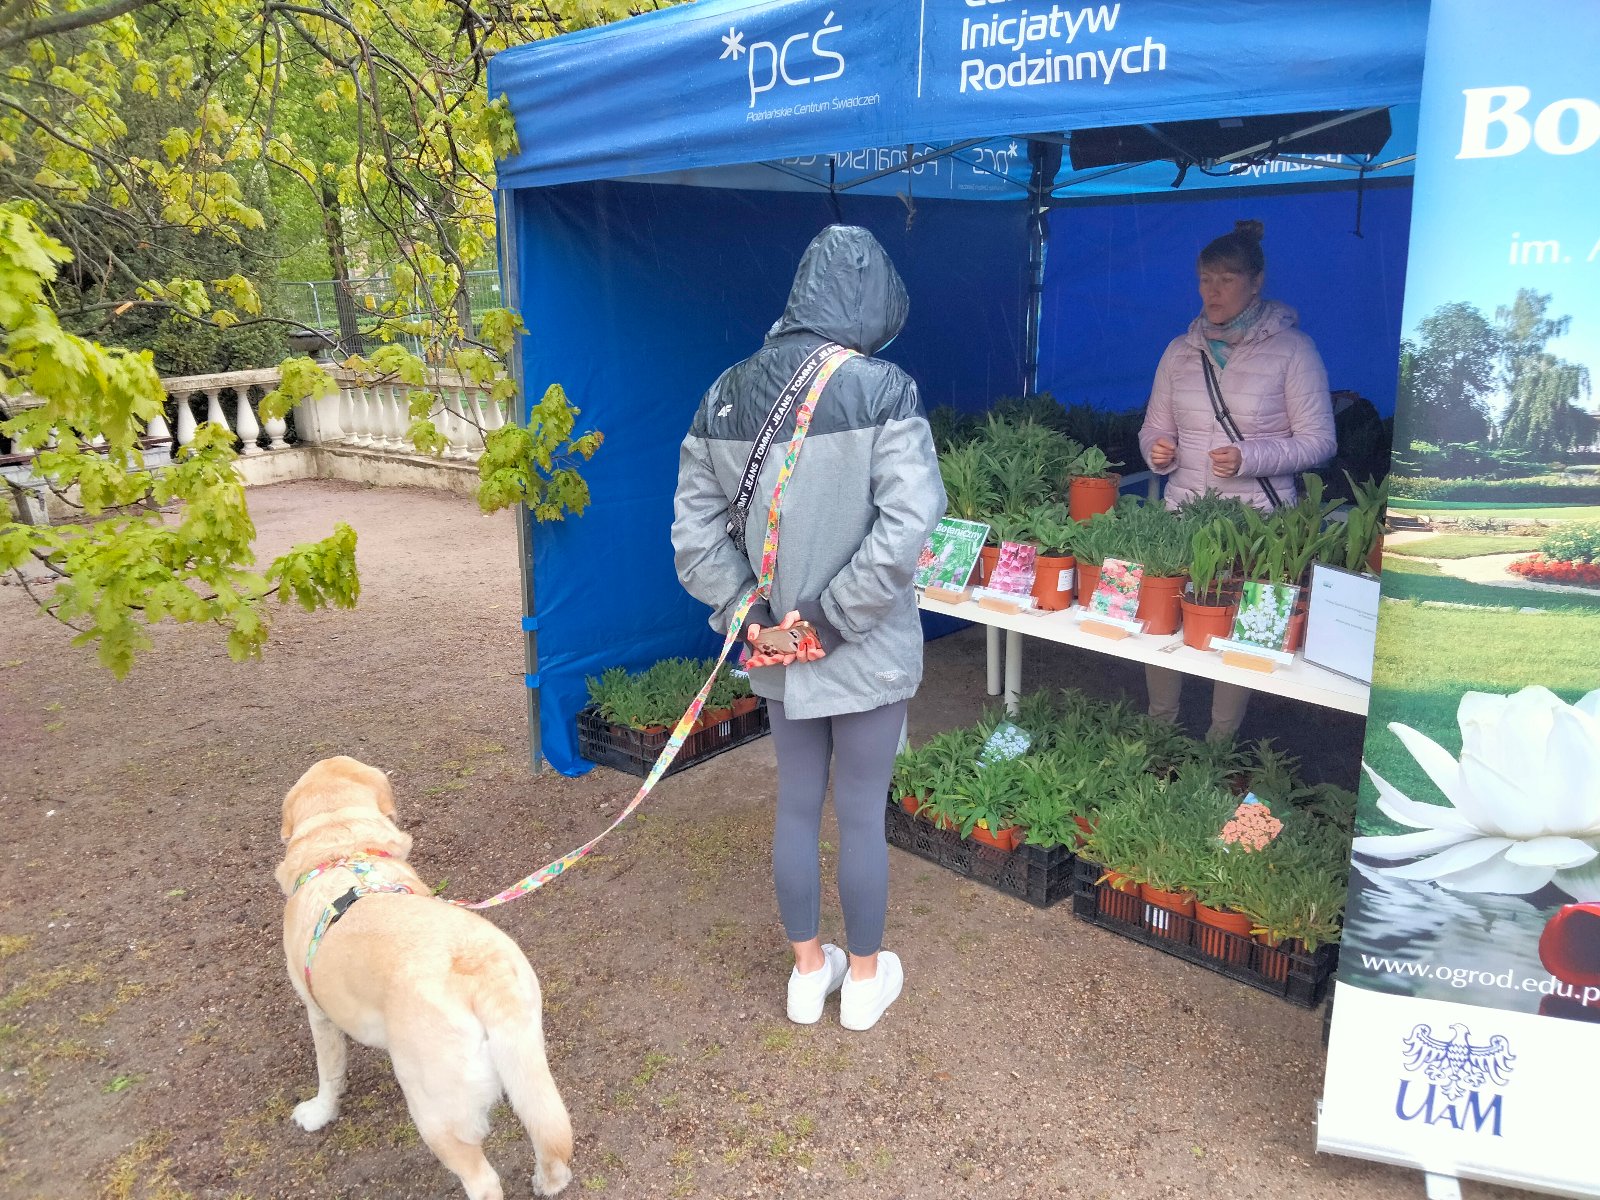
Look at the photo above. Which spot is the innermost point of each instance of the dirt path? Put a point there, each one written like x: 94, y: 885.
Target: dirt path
x: 150, y: 1045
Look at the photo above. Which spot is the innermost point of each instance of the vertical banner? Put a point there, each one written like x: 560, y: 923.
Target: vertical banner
x: 1466, y: 1022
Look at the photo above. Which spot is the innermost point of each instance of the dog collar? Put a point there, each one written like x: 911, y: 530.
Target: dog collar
x: 365, y: 856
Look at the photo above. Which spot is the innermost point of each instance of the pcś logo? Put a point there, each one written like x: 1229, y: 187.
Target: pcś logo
x: 797, y: 61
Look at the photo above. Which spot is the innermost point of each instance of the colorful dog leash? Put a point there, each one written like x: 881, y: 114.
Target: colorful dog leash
x: 680, y: 732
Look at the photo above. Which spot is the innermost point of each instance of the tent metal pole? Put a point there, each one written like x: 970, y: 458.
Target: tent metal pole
x: 1341, y: 119
x: 916, y: 162
x: 1045, y: 161
x: 511, y: 289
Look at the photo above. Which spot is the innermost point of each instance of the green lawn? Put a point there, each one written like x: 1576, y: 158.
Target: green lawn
x: 1465, y: 545
x: 1405, y: 579
x: 1428, y: 657
x: 1496, y: 508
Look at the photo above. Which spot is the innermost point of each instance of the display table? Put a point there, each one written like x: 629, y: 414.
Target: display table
x: 1298, y: 681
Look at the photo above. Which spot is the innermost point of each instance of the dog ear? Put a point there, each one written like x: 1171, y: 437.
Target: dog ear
x: 385, y: 794
x: 285, y: 878
x: 289, y: 813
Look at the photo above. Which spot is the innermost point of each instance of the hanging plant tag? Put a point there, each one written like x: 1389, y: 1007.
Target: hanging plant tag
x: 1008, y: 741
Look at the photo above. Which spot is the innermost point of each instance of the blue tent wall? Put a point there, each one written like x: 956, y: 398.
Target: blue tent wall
x: 636, y: 298
x: 1120, y: 284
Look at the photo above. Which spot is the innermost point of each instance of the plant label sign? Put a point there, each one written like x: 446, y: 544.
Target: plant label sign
x: 1014, y: 569
x: 1116, y: 596
x: 1342, y: 625
x: 950, y: 554
x: 1263, y: 618
x: 1006, y: 742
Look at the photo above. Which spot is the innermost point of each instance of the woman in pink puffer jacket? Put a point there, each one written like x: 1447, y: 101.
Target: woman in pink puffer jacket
x: 1275, y: 390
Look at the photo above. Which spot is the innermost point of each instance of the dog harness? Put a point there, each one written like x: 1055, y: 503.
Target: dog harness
x: 367, y: 881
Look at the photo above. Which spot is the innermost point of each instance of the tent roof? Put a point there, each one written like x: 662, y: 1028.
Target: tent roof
x: 723, y: 82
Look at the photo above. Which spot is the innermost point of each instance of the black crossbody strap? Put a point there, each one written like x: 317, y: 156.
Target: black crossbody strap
x: 1219, y: 409
x: 739, y: 509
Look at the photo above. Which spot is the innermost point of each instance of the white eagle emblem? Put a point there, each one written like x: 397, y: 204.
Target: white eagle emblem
x: 1454, y: 1063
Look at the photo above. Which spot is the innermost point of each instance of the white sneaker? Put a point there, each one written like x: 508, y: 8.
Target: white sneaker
x: 862, y: 1002
x: 808, y: 992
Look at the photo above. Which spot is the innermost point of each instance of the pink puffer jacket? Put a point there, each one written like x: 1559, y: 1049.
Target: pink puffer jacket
x: 1277, y: 390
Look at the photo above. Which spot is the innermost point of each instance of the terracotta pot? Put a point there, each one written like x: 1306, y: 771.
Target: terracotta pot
x: 987, y: 557
x: 1569, y: 947
x: 746, y: 704
x: 1088, y: 580
x: 1375, y: 556
x: 1160, y: 598
x: 1119, y: 898
x: 1158, y: 906
x: 1085, y: 827
x: 1295, y: 637
x: 1048, y: 593
x: 715, y: 716
x: 1212, y: 930
x: 1003, y: 839
x: 1276, y: 966
x: 1202, y: 622
x: 1087, y: 495
x: 910, y: 804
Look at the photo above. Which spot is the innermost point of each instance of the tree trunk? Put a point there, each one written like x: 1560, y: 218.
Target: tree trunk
x: 344, y: 300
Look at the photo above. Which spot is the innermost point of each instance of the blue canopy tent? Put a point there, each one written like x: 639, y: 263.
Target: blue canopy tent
x: 673, y: 167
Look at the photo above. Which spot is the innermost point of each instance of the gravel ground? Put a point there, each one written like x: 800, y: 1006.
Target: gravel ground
x: 150, y: 1044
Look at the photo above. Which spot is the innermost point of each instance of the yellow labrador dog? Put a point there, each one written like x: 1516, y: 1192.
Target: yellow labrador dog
x: 447, y: 994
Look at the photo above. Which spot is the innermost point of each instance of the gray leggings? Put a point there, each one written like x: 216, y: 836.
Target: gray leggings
x: 862, y: 747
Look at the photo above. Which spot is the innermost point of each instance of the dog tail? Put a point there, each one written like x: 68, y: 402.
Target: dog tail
x: 510, y: 1011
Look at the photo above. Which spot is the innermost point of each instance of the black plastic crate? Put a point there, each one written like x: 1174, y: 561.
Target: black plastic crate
x: 635, y: 751
x: 1032, y: 873
x: 1297, y: 977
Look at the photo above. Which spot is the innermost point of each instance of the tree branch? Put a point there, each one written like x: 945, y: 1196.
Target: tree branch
x: 67, y: 22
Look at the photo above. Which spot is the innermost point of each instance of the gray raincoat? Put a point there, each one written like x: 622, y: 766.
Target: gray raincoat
x: 860, y: 504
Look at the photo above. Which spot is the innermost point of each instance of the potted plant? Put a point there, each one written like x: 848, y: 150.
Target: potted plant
x: 1296, y: 901
x: 1090, y: 546
x: 1361, y: 546
x: 743, y: 700
x: 1092, y: 486
x: 1043, y: 808
x: 968, y: 489
x: 1157, y: 540
x: 1221, y: 930
x: 1050, y: 527
x: 1116, y: 840
x: 913, y: 777
x: 985, y: 805
x: 1207, y: 611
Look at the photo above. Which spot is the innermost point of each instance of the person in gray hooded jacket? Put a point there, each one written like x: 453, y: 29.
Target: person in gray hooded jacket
x: 864, y: 495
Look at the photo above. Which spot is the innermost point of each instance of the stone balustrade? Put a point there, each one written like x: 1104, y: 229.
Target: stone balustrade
x: 357, y: 433
x: 363, y: 415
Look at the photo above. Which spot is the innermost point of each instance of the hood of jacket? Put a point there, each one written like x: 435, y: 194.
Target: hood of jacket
x: 845, y: 290
x: 1276, y: 316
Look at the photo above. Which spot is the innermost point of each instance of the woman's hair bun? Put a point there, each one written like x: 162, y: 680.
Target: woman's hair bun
x: 1251, y: 230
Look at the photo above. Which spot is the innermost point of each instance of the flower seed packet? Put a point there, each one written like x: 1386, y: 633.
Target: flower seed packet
x: 1264, y: 612
x: 1117, y: 594
x: 1014, y: 569
x: 950, y: 553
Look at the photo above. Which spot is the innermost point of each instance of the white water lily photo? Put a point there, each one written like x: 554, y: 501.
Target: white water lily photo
x: 1522, y: 806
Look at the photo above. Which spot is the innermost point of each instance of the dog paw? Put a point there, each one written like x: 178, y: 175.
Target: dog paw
x: 550, y: 1178
x: 314, y: 1114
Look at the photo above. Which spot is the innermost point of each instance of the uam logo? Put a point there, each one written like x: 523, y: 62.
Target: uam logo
x: 796, y: 61
x: 1456, y: 1070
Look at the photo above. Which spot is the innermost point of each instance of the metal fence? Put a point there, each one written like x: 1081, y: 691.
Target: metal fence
x: 312, y: 303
